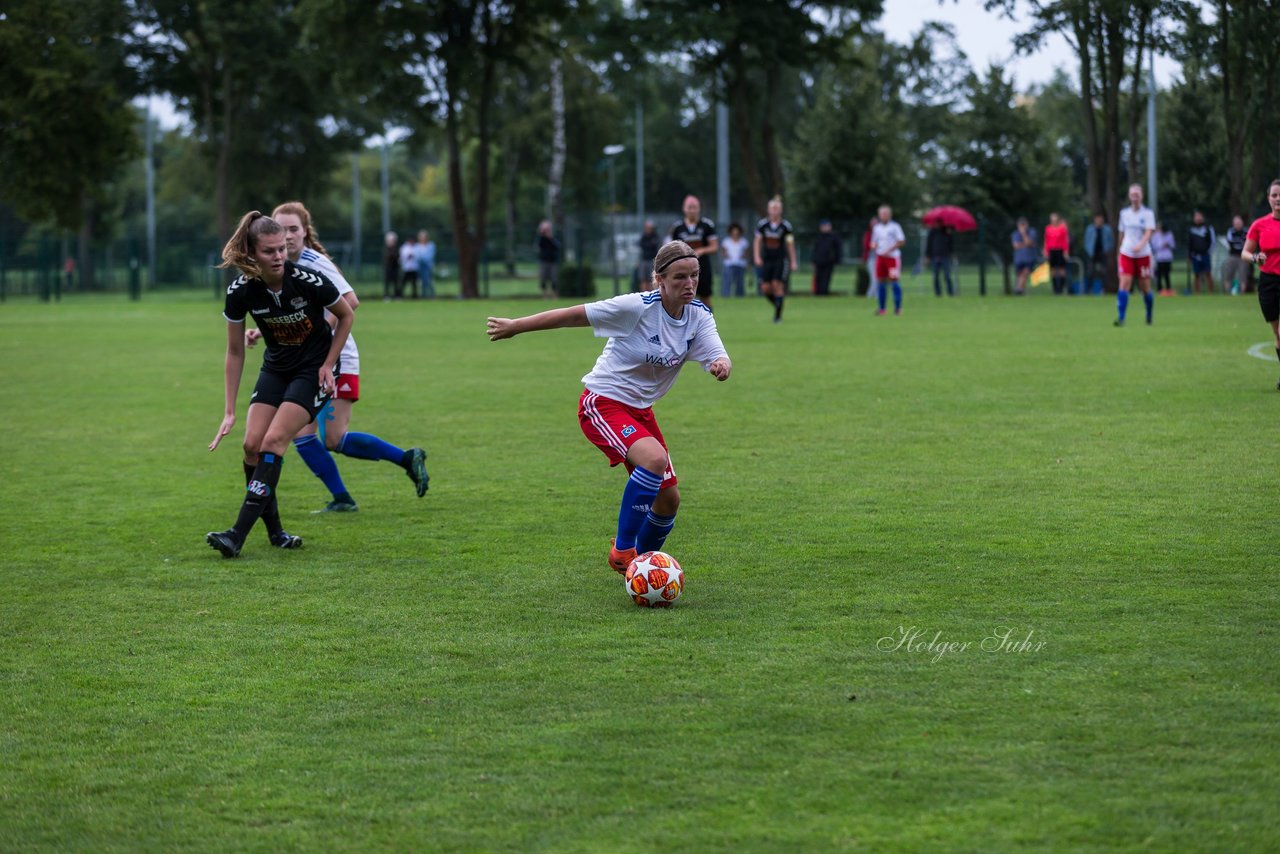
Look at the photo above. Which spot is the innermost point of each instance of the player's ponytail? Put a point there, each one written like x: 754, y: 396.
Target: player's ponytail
x: 238, y: 252
x: 311, y: 238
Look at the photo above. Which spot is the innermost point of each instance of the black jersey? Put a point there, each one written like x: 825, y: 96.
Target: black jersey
x: 1235, y: 241
x: 291, y: 319
x: 773, y: 238
x: 697, y: 236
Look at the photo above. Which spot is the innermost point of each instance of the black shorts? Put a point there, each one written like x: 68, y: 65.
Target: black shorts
x: 705, y: 281
x: 302, y: 388
x: 1057, y: 258
x: 774, y: 270
x: 1269, y: 296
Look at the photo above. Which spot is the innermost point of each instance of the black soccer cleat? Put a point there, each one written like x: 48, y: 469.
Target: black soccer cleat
x: 336, y: 506
x: 417, y: 470
x: 1118, y: 323
x: 285, y: 540
x: 225, y: 542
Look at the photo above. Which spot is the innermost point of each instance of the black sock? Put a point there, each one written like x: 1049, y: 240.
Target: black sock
x: 777, y: 308
x: 270, y: 513
x: 771, y: 298
x: 1278, y: 352
x: 259, y: 494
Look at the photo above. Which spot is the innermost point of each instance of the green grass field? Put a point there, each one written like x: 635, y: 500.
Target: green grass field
x: 462, y: 672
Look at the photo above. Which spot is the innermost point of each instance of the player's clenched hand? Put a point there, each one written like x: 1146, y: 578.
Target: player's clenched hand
x: 224, y: 428
x: 327, y: 383
x: 251, y: 337
x: 720, y: 369
x: 500, y: 327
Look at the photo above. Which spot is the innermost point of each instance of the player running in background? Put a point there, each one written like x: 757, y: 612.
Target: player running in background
x: 650, y: 337
x: 774, y: 248
x: 298, y: 372
x: 1137, y: 224
x: 306, y: 250
x: 700, y: 234
x: 887, y: 239
x: 1262, y: 247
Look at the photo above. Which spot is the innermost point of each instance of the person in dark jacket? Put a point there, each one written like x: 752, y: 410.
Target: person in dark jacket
x: 937, y: 252
x: 1200, y: 240
x: 826, y: 255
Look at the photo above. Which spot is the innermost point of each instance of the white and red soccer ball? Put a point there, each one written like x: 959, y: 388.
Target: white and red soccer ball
x: 654, y: 580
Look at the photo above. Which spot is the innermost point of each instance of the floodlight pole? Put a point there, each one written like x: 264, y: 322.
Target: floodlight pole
x: 151, y: 198
x: 722, y: 165
x: 611, y: 152
x: 1151, y: 136
x: 640, y: 163
x: 355, y: 215
x: 386, y: 187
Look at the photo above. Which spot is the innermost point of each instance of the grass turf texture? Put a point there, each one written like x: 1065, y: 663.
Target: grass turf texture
x: 463, y: 671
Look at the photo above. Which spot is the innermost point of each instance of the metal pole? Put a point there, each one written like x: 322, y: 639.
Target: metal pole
x: 722, y: 164
x: 386, y: 187
x: 1151, y: 137
x: 640, y: 164
x: 151, y: 199
x: 355, y: 215
x: 613, y: 230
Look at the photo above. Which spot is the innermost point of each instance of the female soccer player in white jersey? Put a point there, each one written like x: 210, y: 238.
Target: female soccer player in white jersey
x: 306, y: 250
x: 651, y: 335
x: 1137, y: 224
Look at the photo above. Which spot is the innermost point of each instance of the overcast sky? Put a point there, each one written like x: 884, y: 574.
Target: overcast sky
x: 987, y: 37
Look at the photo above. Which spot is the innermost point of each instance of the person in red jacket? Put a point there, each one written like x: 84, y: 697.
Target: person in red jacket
x: 1262, y: 247
x: 1057, y: 242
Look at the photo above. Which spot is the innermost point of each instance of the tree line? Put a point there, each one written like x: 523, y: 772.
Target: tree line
x: 502, y: 109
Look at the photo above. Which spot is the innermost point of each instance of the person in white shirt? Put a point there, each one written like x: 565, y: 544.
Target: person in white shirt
x: 408, y: 267
x: 887, y: 240
x: 651, y: 335
x: 1137, y: 224
x: 734, y: 251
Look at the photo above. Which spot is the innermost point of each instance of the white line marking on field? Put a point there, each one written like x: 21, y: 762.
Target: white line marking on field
x: 1266, y: 351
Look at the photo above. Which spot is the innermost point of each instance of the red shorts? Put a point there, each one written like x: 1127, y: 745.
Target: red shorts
x: 1140, y: 267
x: 614, y: 427
x: 888, y: 269
x: 348, y: 387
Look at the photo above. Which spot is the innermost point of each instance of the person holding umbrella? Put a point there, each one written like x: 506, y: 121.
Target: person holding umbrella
x: 943, y: 223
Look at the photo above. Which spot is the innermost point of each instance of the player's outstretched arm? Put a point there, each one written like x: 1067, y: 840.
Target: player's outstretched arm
x: 499, y: 328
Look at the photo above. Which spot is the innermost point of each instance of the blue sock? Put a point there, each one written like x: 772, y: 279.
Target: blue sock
x: 1150, y: 301
x: 653, y: 532
x: 642, y: 487
x: 1122, y: 303
x: 897, y: 297
x: 366, y: 446
x: 882, y: 294
x: 320, y: 461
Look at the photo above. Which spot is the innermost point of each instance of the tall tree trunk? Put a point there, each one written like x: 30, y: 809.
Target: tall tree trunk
x: 1114, y: 61
x: 462, y: 239
x: 1136, y: 101
x: 746, y: 155
x: 222, y: 169
x: 510, y: 185
x: 1089, y: 116
x: 555, y: 176
x: 767, y: 138
x: 484, y: 109
x: 1231, y: 62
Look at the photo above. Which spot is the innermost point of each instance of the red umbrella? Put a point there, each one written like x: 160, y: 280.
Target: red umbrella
x: 949, y: 215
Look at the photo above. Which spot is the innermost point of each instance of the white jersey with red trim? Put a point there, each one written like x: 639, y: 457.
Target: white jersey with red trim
x: 1133, y: 225
x: 885, y: 237
x: 314, y: 260
x: 647, y: 346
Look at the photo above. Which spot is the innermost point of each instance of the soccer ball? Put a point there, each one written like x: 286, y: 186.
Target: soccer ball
x: 654, y: 580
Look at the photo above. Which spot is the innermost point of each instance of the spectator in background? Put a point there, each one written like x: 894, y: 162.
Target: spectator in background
x: 426, y: 255
x: 1200, y: 240
x: 548, y: 260
x: 391, y: 267
x: 1236, y: 273
x: 408, y: 267
x: 1057, y: 243
x: 869, y: 259
x: 650, y: 243
x: 888, y: 238
x: 69, y: 273
x: 938, y: 249
x: 1024, y: 253
x: 826, y: 255
x: 734, y: 252
x: 1162, y: 246
x: 1099, y: 243
x: 700, y: 233
x: 1136, y: 225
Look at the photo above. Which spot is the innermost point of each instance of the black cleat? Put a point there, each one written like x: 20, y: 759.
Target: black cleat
x: 337, y: 506
x: 417, y: 470
x: 225, y: 542
x: 1118, y: 323
x: 286, y: 541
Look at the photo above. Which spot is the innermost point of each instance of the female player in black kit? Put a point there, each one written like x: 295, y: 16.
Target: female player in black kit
x: 297, y: 377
